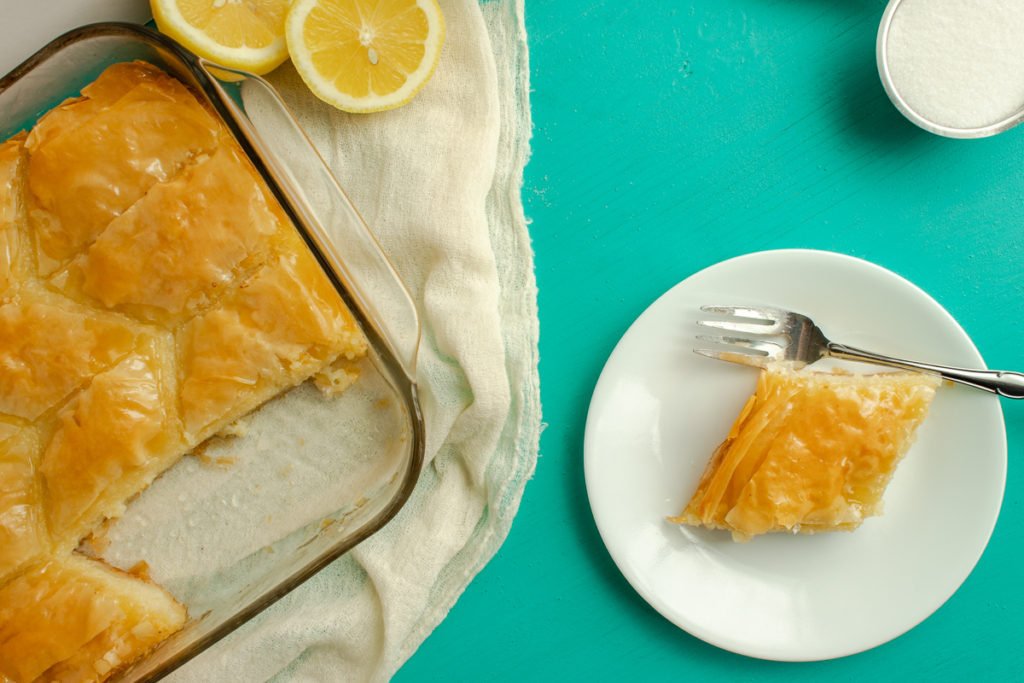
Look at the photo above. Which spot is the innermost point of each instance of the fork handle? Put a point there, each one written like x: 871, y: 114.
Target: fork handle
x: 1002, y: 382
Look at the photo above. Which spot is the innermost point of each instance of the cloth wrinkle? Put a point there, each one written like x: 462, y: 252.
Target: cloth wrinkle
x: 437, y: 181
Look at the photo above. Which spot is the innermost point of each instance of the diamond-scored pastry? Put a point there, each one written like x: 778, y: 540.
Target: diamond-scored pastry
x: 50, y: 347
x: 279, y: 329
x: 73, y: 618
x: 110, y: 441
x: 152, y: 292
x: 186, y: 241
x: 810, y: 451
x: 97, y: 156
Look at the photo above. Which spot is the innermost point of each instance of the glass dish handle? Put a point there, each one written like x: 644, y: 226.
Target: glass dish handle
x: 330, y: 218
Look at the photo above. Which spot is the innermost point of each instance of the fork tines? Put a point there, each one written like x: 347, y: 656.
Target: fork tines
x: 760, y: 323
x: 746, y: 319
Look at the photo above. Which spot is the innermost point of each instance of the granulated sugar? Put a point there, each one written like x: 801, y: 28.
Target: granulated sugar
x: 958, y: 63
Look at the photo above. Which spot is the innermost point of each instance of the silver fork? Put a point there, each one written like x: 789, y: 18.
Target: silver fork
x: 775, y: 334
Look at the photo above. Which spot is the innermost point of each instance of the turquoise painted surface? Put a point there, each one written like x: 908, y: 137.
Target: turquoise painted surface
x: 670, y: 136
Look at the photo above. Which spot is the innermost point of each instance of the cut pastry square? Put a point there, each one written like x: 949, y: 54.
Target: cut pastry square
x: 74, y: 618
x: 186, y: 242
x: 92, y: 158
x: 49, y: 347
x: 23, y: 532
x: 280, y: 328
x: 111, y: 441
x: 810, y: 451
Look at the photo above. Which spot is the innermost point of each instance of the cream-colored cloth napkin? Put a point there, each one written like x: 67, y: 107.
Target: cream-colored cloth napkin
x: 438, y: 182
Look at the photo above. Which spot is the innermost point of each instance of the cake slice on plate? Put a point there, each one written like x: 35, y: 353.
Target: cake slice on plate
x: 810, y: 451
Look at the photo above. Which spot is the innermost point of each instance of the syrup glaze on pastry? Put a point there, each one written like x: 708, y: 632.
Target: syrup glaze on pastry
x: 152, y: 292
x: 810, y: 451
x: 111, y: 440
x: 49, y: 348
x: 23, y: 531
x: 145, y: 259
x: 95, y: 156
x: 75, y: 619
x: 12, y: 208
x: 282, y: 327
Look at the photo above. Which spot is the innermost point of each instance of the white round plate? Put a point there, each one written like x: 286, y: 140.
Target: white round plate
x: 659, y: 411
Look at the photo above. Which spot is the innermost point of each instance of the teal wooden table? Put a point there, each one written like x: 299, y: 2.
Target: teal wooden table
x: 670, y: 136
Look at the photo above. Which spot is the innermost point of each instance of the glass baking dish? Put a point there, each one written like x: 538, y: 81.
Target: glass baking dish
x: 228, y: 534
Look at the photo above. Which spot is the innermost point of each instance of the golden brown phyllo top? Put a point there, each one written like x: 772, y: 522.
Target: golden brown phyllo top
x: 152, y: 291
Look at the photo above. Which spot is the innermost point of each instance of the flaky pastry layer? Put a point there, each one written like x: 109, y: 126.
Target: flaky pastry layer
x: 810, y: 451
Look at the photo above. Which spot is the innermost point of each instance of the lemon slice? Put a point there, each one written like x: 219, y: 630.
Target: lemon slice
x: 365, y: 55
x: 240, y: 34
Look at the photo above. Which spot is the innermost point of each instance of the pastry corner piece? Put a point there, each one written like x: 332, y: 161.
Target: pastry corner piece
x: 810, y: 452
x: 74, y: 618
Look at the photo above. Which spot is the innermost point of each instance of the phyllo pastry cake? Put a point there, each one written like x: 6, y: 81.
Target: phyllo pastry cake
x: 94, y: 156
x: 810, y: 451
x: 285, y: 325
x: 152, y: 292
x: 23, y: 530
x: 110, y: 440
x: 12, y: 216
x: 76, y: 619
